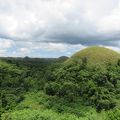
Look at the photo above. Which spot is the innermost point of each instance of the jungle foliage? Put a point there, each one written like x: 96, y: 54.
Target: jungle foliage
x: 56, y: 89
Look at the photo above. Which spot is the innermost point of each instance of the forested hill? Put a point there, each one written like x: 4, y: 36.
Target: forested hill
x: 85, y: 86
x: 19, y: 75
x: 33, y: 61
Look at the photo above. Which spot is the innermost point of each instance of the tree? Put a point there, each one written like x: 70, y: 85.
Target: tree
x: 51, y: 88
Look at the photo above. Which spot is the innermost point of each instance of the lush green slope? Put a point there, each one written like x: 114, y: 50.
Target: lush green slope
x: 56, y: 89
x: 98, y: 85
x: 96, y: 56
x: 39, y: 106
x: 19, y: 75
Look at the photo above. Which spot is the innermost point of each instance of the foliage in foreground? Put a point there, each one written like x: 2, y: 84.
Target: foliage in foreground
x: 38, y: 106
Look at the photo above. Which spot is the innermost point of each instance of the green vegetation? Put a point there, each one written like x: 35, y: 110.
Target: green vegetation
x: 83, y: 87
x: 96, y: 56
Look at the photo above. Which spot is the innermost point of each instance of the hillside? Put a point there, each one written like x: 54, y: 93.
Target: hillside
x: 63, y: 88
x: 96, y: 56
x: 98, y: 84
x: 19, y: 75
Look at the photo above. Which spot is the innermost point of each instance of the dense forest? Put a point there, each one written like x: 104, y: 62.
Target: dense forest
x: 85, y: 86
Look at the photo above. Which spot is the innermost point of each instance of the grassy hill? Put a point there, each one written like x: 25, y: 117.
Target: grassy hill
x: 89, y: 75
x: 96, y: 56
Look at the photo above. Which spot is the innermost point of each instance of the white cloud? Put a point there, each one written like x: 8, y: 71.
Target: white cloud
x: 52, y: 25
x: 61, y: 47
x: 33, y: 19
x: 24, y: 50
x: 111, y: 23
x: 30, y: 48
x: 5, y: 45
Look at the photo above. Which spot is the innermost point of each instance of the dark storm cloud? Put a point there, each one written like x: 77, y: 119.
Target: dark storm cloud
x: 110, y: 39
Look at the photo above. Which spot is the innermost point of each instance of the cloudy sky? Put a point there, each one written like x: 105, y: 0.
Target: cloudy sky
x: 51, y: 28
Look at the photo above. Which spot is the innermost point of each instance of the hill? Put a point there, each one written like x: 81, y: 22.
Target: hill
x: 89, y: 75
x: 96, y: 56
x: 50, y: 89
x: 19, y: 75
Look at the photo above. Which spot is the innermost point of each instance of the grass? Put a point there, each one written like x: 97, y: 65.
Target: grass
x: 96, y: 56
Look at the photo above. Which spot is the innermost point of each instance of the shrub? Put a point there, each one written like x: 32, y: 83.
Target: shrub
x: 113, y: 115
x: 51, y: 88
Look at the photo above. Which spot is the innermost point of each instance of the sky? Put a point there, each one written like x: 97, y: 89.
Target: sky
x: 53, y: 28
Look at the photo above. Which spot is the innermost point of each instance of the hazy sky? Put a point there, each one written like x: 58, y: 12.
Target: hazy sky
x: 51, y: 28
